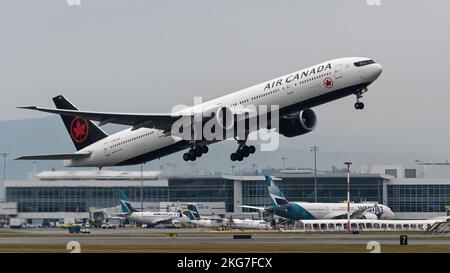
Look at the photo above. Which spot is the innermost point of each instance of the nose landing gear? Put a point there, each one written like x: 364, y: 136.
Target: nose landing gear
x: 242, y: 151
x: 359, y: 105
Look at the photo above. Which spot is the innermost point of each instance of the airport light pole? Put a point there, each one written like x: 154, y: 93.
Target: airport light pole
x: 34, y: 167
x: 4, y: 155
x: 232, y: 169
x: 254, y: 168
x: 315, y: 149
x: 283, y: 159
x: 142, y: 187
x: 348, y: 195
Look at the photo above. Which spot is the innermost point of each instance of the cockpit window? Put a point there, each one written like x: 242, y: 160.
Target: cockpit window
x: 363, y: 63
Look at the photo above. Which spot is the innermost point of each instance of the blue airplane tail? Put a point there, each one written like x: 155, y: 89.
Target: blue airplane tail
x: 193, y: 212
x: 276, y: 195
x: 126, y: 206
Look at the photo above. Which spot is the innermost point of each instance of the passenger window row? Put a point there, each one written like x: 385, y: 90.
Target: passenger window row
x: 278, y: 90
x: 132, y: 139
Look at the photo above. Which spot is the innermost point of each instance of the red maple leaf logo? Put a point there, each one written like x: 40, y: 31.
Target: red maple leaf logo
x: 328, y: 83
x: 78, y: 130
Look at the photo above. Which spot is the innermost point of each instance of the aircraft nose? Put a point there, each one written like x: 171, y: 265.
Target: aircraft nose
x: 377, y: 69
x: 371, y: 72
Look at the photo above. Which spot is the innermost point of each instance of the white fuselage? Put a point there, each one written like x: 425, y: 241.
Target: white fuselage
x: 207, y: 223
x: 249, y: 224
x: 286, y: 91
x: 152, y: 218
x: 333, y: 210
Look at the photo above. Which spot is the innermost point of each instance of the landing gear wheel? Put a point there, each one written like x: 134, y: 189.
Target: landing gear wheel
x: 233, y: 157
x: 239, y: 156
x: 186, y: 157
x: 245, y: 152
x: 359, y: 105
x: 192, y: 157
x: 205, y: 149
x: 198, y: 152
x: 191, y: 153
x: 251, y: 149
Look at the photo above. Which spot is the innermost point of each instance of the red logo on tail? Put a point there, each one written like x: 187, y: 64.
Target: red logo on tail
x: 79, y: 129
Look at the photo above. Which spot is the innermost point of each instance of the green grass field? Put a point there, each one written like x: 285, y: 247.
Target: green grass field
x: 228, y: 248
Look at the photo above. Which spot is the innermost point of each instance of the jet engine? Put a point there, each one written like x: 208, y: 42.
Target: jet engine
x: 369, y: 216
x: 298, y: 124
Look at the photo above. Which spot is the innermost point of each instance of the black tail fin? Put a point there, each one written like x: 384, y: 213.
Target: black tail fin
x: 83, y: 132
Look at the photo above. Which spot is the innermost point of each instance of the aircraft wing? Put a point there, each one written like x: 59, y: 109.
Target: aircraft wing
x: 343, y: 215
x: 252, y: 207
x: 271, y: 209
x: 158, y: 121
x: 336, y: 215
x: 54, y: 156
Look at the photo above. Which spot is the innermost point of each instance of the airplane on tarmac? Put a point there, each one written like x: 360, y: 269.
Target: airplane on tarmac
x: 196, y: 219
x: 247, y: 224
x: 303, y: 210
x: 151, y: 218
x: 154, y: 135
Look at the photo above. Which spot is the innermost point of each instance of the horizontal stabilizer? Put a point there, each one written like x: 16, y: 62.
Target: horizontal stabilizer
x: 159, y: 121
x: 54, y: 156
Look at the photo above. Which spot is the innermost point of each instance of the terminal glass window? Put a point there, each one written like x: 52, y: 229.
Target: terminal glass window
x: 77, y: 199
x: 410, y: 173
x: 391, y: 172
x: 418, y: 198
x: 202, y: 190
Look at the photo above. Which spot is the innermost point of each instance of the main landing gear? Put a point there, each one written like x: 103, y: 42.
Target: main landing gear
x: 359, y: 105
x: 195, y: 152
x: 242, y: 151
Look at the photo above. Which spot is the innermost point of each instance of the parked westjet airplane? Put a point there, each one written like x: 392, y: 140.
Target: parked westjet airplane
x: 303, y: 210
x: 152, y: 136
x: 148, y: 217
x: 196, y: 219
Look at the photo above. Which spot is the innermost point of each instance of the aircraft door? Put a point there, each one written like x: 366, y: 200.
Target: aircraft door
x: 107, y: 149
x: 338, y: 71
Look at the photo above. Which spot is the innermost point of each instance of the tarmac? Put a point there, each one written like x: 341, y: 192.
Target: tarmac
x: 201, y: 239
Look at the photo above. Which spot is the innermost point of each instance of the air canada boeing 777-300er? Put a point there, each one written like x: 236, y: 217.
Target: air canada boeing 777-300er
x: 151, y: 136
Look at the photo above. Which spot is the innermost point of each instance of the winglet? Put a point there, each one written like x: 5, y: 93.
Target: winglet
x: 268, y: 180
x: 275, y: 193
x: 122, y: 196
x: 126, y: 206
x: 193, y: 212
x: 28, y: 107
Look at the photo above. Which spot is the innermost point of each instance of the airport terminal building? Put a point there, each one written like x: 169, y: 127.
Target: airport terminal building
x: 414, y: 192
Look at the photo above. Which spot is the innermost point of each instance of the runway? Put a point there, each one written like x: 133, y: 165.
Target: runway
x: 187, y: 240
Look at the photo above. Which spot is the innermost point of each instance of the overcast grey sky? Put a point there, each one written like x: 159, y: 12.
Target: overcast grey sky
x: 147, y: 56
